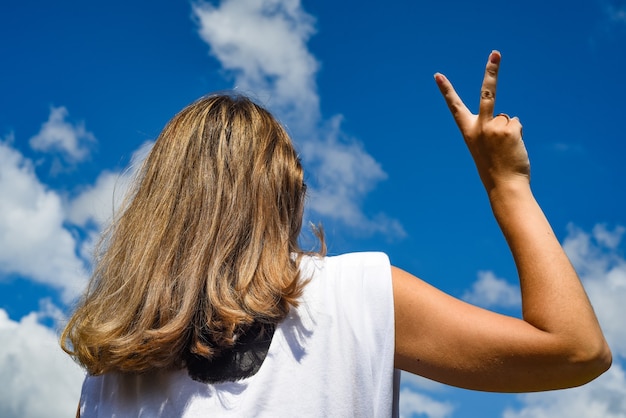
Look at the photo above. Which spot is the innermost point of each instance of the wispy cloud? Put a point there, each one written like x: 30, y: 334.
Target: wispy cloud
x: 418, y: 382
x: 564, y: 147
x: 72, y: 142
x: 33, y: 239
x: 414, y: 403
x: 96, y: 205
x: 490, y: 291
x: 263, y: 44
x: 415, y: 399
x: 39, y: 379
x: 343, y: 174
x: 615, y: 11
x: 611, y: 23
x: 603, y: 398
x: 599, y: 259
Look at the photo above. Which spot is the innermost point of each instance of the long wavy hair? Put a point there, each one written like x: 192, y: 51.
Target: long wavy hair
x: 206, y: 245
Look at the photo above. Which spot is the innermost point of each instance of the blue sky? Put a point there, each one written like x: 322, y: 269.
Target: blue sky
x: 86, y: 87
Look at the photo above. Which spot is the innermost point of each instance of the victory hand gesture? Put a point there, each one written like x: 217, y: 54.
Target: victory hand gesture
x: 495, y: 142
x: 558, y: 342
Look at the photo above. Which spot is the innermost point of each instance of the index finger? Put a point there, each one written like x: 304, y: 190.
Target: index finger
x: 460, y: 112
x: 488, y: 89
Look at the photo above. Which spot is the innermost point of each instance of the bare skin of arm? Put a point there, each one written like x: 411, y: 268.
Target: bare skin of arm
x: 558, y: 343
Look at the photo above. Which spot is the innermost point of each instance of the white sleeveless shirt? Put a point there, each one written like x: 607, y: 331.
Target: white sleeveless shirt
x: 332, y: 356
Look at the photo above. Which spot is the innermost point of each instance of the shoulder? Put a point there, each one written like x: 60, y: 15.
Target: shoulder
x: 354, y: 292
x: 349, y: 280
x: 366, y: 268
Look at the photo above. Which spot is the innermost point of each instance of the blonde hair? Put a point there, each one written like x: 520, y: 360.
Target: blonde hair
x: 205, y: 248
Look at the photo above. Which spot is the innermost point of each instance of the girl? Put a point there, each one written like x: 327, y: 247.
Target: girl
x: 203, y: 304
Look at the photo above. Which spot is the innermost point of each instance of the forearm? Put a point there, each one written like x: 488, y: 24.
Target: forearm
x: 553, y: 298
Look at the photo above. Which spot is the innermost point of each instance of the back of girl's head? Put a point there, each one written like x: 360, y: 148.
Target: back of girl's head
x: 227, y: 158
x: 204, y: 247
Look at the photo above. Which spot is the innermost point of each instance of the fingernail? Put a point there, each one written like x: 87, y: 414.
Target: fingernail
x: 494, y: 57
x: 439, y: 78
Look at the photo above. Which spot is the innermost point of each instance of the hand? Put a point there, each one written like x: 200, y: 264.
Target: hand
x: 495, y: 142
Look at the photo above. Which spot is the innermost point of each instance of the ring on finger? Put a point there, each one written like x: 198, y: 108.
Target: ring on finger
x: 508, y: 118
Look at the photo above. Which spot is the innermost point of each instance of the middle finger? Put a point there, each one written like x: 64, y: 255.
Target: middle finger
x: 488, y: 89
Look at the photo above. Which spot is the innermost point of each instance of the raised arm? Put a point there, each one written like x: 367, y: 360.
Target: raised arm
x: 559, y: 342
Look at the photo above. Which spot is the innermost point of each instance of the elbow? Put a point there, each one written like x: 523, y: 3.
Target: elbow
x: 595, y: 360
x: 603, y: 359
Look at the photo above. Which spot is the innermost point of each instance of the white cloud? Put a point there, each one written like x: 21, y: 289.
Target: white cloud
x: 73, y: 142
x: 418, y: 382
x: 32, y: 237
x: 344, y: 174
x: 98, y: 203
x: 263, y: 44
x: 490, y: 291
x: 413, y: 403
x: 602, y: 268
x: 603, y: 398
x: 38, y: 378
x: 606, y: 238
